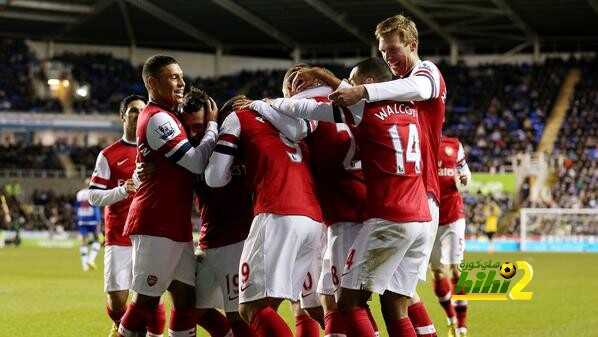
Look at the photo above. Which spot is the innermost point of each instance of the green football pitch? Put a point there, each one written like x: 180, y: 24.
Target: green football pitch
x: 43, y: 292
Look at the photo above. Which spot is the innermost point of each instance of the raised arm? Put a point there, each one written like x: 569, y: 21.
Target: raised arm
x: 321, y: 111
x: 307, y: 77
x: 165, y: 135
x: 294, y: 129
x: 218, y: 171
x: 421, y: 85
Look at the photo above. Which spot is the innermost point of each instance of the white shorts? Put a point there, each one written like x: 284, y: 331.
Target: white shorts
x: 449, y: 245
x: 432, y: 229
x: 341, y: 237
x: 309, y: 294
x: 384, y: 250
x: 117, y: 268
x: 157, y: 261
x: 217, y: 278
x: 277, y: 255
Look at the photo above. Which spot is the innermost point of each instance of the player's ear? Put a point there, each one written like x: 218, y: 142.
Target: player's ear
x: 413, y: 46
x: 151, y: 82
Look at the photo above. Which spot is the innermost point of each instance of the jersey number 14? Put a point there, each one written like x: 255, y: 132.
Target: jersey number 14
x: 412, y: 153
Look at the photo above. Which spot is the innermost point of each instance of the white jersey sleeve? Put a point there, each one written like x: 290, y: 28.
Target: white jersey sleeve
x: 294, y: 129
x: 164, y: 135
x: 321, y: 111
x: 421, y: 85
x: 218, y: 171
x: 101, y: 173
x: 98, y: 197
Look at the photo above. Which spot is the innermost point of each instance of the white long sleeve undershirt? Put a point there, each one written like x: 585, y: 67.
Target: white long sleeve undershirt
x: 99, y: 197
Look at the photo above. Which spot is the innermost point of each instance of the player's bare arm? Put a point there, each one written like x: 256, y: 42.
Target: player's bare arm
x: 308, y: 77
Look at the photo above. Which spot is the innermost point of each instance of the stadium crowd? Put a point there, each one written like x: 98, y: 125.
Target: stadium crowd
x: 496, y: 110
x: 44, y: 210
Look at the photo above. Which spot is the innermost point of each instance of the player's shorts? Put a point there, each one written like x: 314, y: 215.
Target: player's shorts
x: 87, y: 229
x: 117, y: 268
x: 277, y: 255
x: 217, y: 278
x: 432, y: 229
x: 340, y: 240
x: 309, y: 292
x: 449, y: 244
x: 157, y: 261
x: 384, y: 251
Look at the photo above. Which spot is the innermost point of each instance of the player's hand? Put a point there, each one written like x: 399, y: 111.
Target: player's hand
x: 130, y: 186
x: 348, y: 96
x: 212, y: 113
x: 464, y: 179
x: 305, y: 78
x: 242, y: 103
x: 145, y: 171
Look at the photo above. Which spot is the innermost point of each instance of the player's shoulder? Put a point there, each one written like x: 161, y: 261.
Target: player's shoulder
x: 118, y: 148
x: 428, y: 65
x: 244, y: 113
x: 247, y: 118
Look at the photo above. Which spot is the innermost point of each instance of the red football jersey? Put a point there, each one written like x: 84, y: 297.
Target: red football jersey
x: 337, y: 172
x: 389, y: 143
x: 115, y: 165
x: 451, y: 203
x: 431, y: 117
x: 162, y: 205
x: 226, y: 212
x: 276, y: 168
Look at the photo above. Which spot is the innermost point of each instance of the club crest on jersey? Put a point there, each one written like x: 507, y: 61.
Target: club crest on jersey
x: 165, y: 131
x: 152, y: 280
x: 449, y: 151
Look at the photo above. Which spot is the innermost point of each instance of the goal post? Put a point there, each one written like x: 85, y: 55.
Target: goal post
x: 558, y: 229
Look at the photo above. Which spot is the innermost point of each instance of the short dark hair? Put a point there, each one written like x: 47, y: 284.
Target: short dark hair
x: 227, y: 108
x: 374, y: 67
x: 194, y: 100
x: 154, y: 64
x: 127, y: 100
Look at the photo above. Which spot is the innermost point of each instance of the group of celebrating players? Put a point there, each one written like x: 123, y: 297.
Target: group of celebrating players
x: 322, y: 197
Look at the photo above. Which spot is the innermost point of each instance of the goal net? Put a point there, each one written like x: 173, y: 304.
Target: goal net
x: 559, y: 229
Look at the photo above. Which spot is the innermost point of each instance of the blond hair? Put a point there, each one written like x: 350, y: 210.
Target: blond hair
x: 398, y: 24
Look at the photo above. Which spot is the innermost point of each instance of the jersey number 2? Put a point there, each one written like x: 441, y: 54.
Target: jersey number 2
x: 350, y: 162
x: 412, y: 155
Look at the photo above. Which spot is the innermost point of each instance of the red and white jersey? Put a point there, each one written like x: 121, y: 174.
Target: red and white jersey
x: 277, y: 171
x: 226, y: 212
x: 162, y: 204
x: 337, y: 171
x: 424, y: 87
x: 431, y: 114
x: 115, y: 164
x: 388, y: 136
x: 389, y: 142
x: 451, y: 159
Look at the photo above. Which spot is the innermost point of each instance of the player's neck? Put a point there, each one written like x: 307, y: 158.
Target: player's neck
x: 413, y: 61
x: 164, y: 105
x: 129, y: 138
